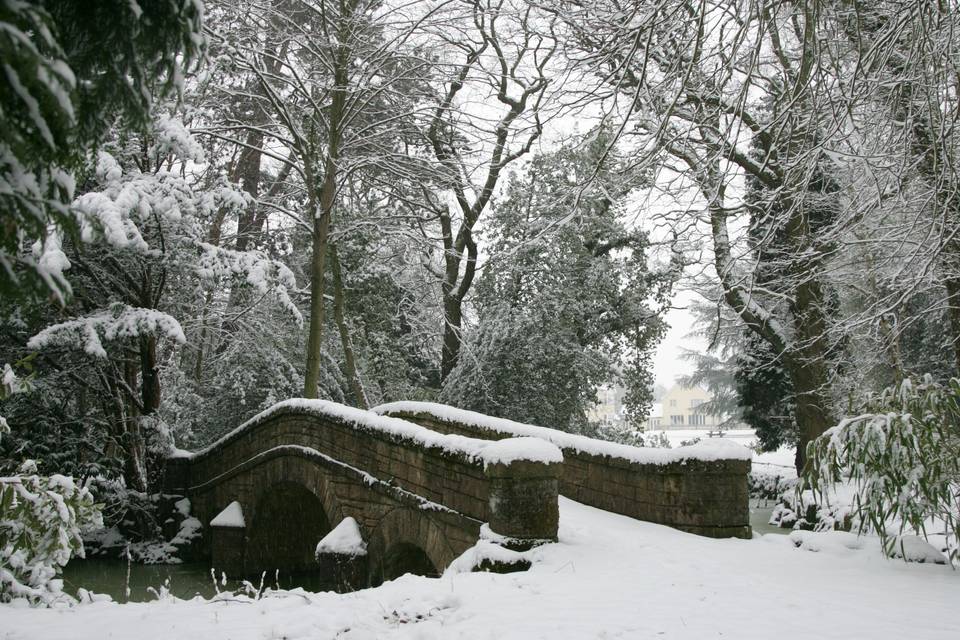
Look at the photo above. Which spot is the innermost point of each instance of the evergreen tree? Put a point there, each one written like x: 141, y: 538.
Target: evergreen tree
x: 567, y: 301
x: 765, y: 394
x: 70, y: 69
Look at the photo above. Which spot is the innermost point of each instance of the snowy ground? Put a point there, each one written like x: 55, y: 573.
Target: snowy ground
x: 609, y: 577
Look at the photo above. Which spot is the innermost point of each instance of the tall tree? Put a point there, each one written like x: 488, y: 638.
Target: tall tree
x: 326, y: 85
x: 762, y: 116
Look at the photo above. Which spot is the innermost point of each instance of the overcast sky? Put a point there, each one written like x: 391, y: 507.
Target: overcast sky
x: 667, y: 363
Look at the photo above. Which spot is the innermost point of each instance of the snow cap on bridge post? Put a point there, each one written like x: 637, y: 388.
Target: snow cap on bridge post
x: 342, y: 556
x: 524, y: 478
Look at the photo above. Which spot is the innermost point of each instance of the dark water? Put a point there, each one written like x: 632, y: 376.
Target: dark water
x: 760, y: 511
x: 114, y: 576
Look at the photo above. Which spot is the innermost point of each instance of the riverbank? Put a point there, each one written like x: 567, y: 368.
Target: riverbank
x: 609, y: 577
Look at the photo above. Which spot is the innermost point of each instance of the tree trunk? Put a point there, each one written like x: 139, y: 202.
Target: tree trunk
x: 134, y: 447
x: 350, y: 363
x: 247, y: 173
x: 149, y: 376
x: 807, y: 367
x: 321, y: 232
x: 452, y: 328
x: 321, y: 222
x: 805, y: 356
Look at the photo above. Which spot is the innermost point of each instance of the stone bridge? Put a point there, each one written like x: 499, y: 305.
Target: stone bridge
x: 419, y: 495
x: 420, y: 498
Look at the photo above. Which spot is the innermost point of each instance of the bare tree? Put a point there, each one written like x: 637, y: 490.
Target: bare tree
x: 505, y: 52
x: 908, y: 70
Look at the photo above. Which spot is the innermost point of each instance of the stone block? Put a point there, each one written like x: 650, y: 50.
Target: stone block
x: 228, y: 546
x: 343, y: 572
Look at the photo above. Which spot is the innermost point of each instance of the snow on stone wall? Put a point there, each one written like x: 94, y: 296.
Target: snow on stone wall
x: 705, y: 450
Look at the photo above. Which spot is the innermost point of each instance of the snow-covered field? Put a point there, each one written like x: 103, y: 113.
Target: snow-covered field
x: 609, y: 577
x: 678, y: 436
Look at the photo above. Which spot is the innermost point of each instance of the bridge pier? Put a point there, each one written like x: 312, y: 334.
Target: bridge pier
x: 524, y: 508
x: 342, y: 556
x: 228, y: 545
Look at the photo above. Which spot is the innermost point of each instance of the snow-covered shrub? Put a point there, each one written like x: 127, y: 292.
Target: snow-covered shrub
x: 41, y: 520
x: 625, y: 434
x: 7, y: 381
x: 144, y: 528
x: 901, y: 455
x: 764, y: 485
x: 658, y: 440
x: 802, y: 510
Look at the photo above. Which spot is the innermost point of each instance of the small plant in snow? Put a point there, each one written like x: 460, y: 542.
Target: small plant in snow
x: 806, y: 511
x: 902, y: 455
x: 625, y: 434
x: 41, y: 519
x: 657, y: 440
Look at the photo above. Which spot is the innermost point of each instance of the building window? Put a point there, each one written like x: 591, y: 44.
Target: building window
x: 696, y: 403
x: 698, y: 419
x: 676, y: 419
x: 673, y: 402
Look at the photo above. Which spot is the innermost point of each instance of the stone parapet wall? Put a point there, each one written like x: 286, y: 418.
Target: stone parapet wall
x: 449, y: 478
x: 703, y: 496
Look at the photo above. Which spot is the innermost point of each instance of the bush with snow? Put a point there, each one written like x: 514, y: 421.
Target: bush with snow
x: 41, y: 520
x: 804, y: 510
x: 141, y: 527
x: 901, y: 455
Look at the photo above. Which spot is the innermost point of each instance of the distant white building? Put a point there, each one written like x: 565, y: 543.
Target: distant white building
x: 678, y: 410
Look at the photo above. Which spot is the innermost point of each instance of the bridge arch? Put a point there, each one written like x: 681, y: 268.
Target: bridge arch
x: 289, y: 503
x: 288, y: 521
x: 406, y: 557
x: 407, y: 540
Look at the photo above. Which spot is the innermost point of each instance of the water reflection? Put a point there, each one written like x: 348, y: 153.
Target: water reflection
x: 188, y: 580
